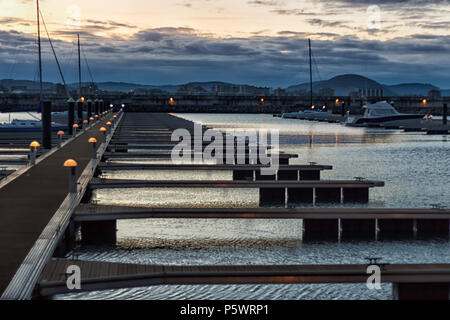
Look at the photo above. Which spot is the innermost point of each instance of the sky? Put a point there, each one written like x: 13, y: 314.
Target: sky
x: 258, y: 42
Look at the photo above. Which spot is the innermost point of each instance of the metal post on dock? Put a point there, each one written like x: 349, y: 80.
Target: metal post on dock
x: 101, y: 106
x: 97, y: 106
x: 103, y: 131
x: 109, y: 124
x: 93, y: 141
x: 444, y: 115
x: 71, y: 115
x: 75, y: 129
x: 85, y: 124
x: 60, y: 137
x: 80, y: 111
x: 33, y: 150
x: 72, y: 165
x: 47, y: 125
x: 89, y: 108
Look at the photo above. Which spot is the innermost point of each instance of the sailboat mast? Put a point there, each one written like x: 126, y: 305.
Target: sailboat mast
x: 79, y: 66
x: 40, y: 54
x: 310, y: 75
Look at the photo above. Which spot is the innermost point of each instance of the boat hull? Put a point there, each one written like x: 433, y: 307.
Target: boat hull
x: 382, y: 120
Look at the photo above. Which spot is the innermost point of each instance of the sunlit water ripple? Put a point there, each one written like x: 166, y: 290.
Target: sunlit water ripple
x: 414, y: 167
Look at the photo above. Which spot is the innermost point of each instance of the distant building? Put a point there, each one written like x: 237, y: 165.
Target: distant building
x: 191, y: 90
x: 300, y: 92
x: 147, y: 92
x: 3, y: 89
x: 244, y: 90
x: 280, y: 92
x: 60, y: 89
x: 434, y: 94
x: 89, y: 90
x: 370, y: 92
x: 325, y: 92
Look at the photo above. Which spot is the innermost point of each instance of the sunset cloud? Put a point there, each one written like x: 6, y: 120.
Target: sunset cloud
x: 257, y: 42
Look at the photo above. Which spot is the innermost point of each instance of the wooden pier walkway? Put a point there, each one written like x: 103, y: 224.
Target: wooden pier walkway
x: 29, y: 202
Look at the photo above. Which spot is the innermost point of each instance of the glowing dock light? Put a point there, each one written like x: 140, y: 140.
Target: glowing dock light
x: 424, y: 102
x: 33, y: 150
x: 171, y: 101
x: 103, y: 131
x: 93, y: 141
x: 60, y: 137
x: 72, y: 165
x: 75, y: 129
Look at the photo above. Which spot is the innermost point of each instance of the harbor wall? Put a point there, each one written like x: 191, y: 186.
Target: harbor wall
x: 222, y: 104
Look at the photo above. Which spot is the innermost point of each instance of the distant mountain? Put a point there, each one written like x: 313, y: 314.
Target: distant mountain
x: 420, y: 89
x: 343, y: 84
x: 127, y: 87
x: 31, y: 85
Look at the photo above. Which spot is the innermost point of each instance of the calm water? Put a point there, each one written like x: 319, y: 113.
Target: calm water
x: 414, y: 167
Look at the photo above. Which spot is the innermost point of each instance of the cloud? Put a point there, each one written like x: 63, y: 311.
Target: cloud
x: 269, y: 3
x: 176, y: 55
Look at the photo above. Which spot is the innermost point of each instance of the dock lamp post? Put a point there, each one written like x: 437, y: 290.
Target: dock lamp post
x: 85, y: 122
x: 33, y: 150
x: 73, y: 185
x: 96, y: 117
x: 444, y: 114
x: 60, y: 137
x: 75, y: 129
x: 93, y: 141
x: 103, y: 131
x: 109, y: 124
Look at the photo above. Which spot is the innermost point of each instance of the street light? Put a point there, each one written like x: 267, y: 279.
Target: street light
x: 60, y: 137
x: 75, y: 129
x: 33, y: 150
x: 93, y: 141
x: 103, y: 131
x: 72, y: 165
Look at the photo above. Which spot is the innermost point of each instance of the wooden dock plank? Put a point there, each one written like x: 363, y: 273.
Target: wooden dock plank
x: 115, y: 167
x: 142, y: 275
x: 98, y: 183
x: 90, y: 212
